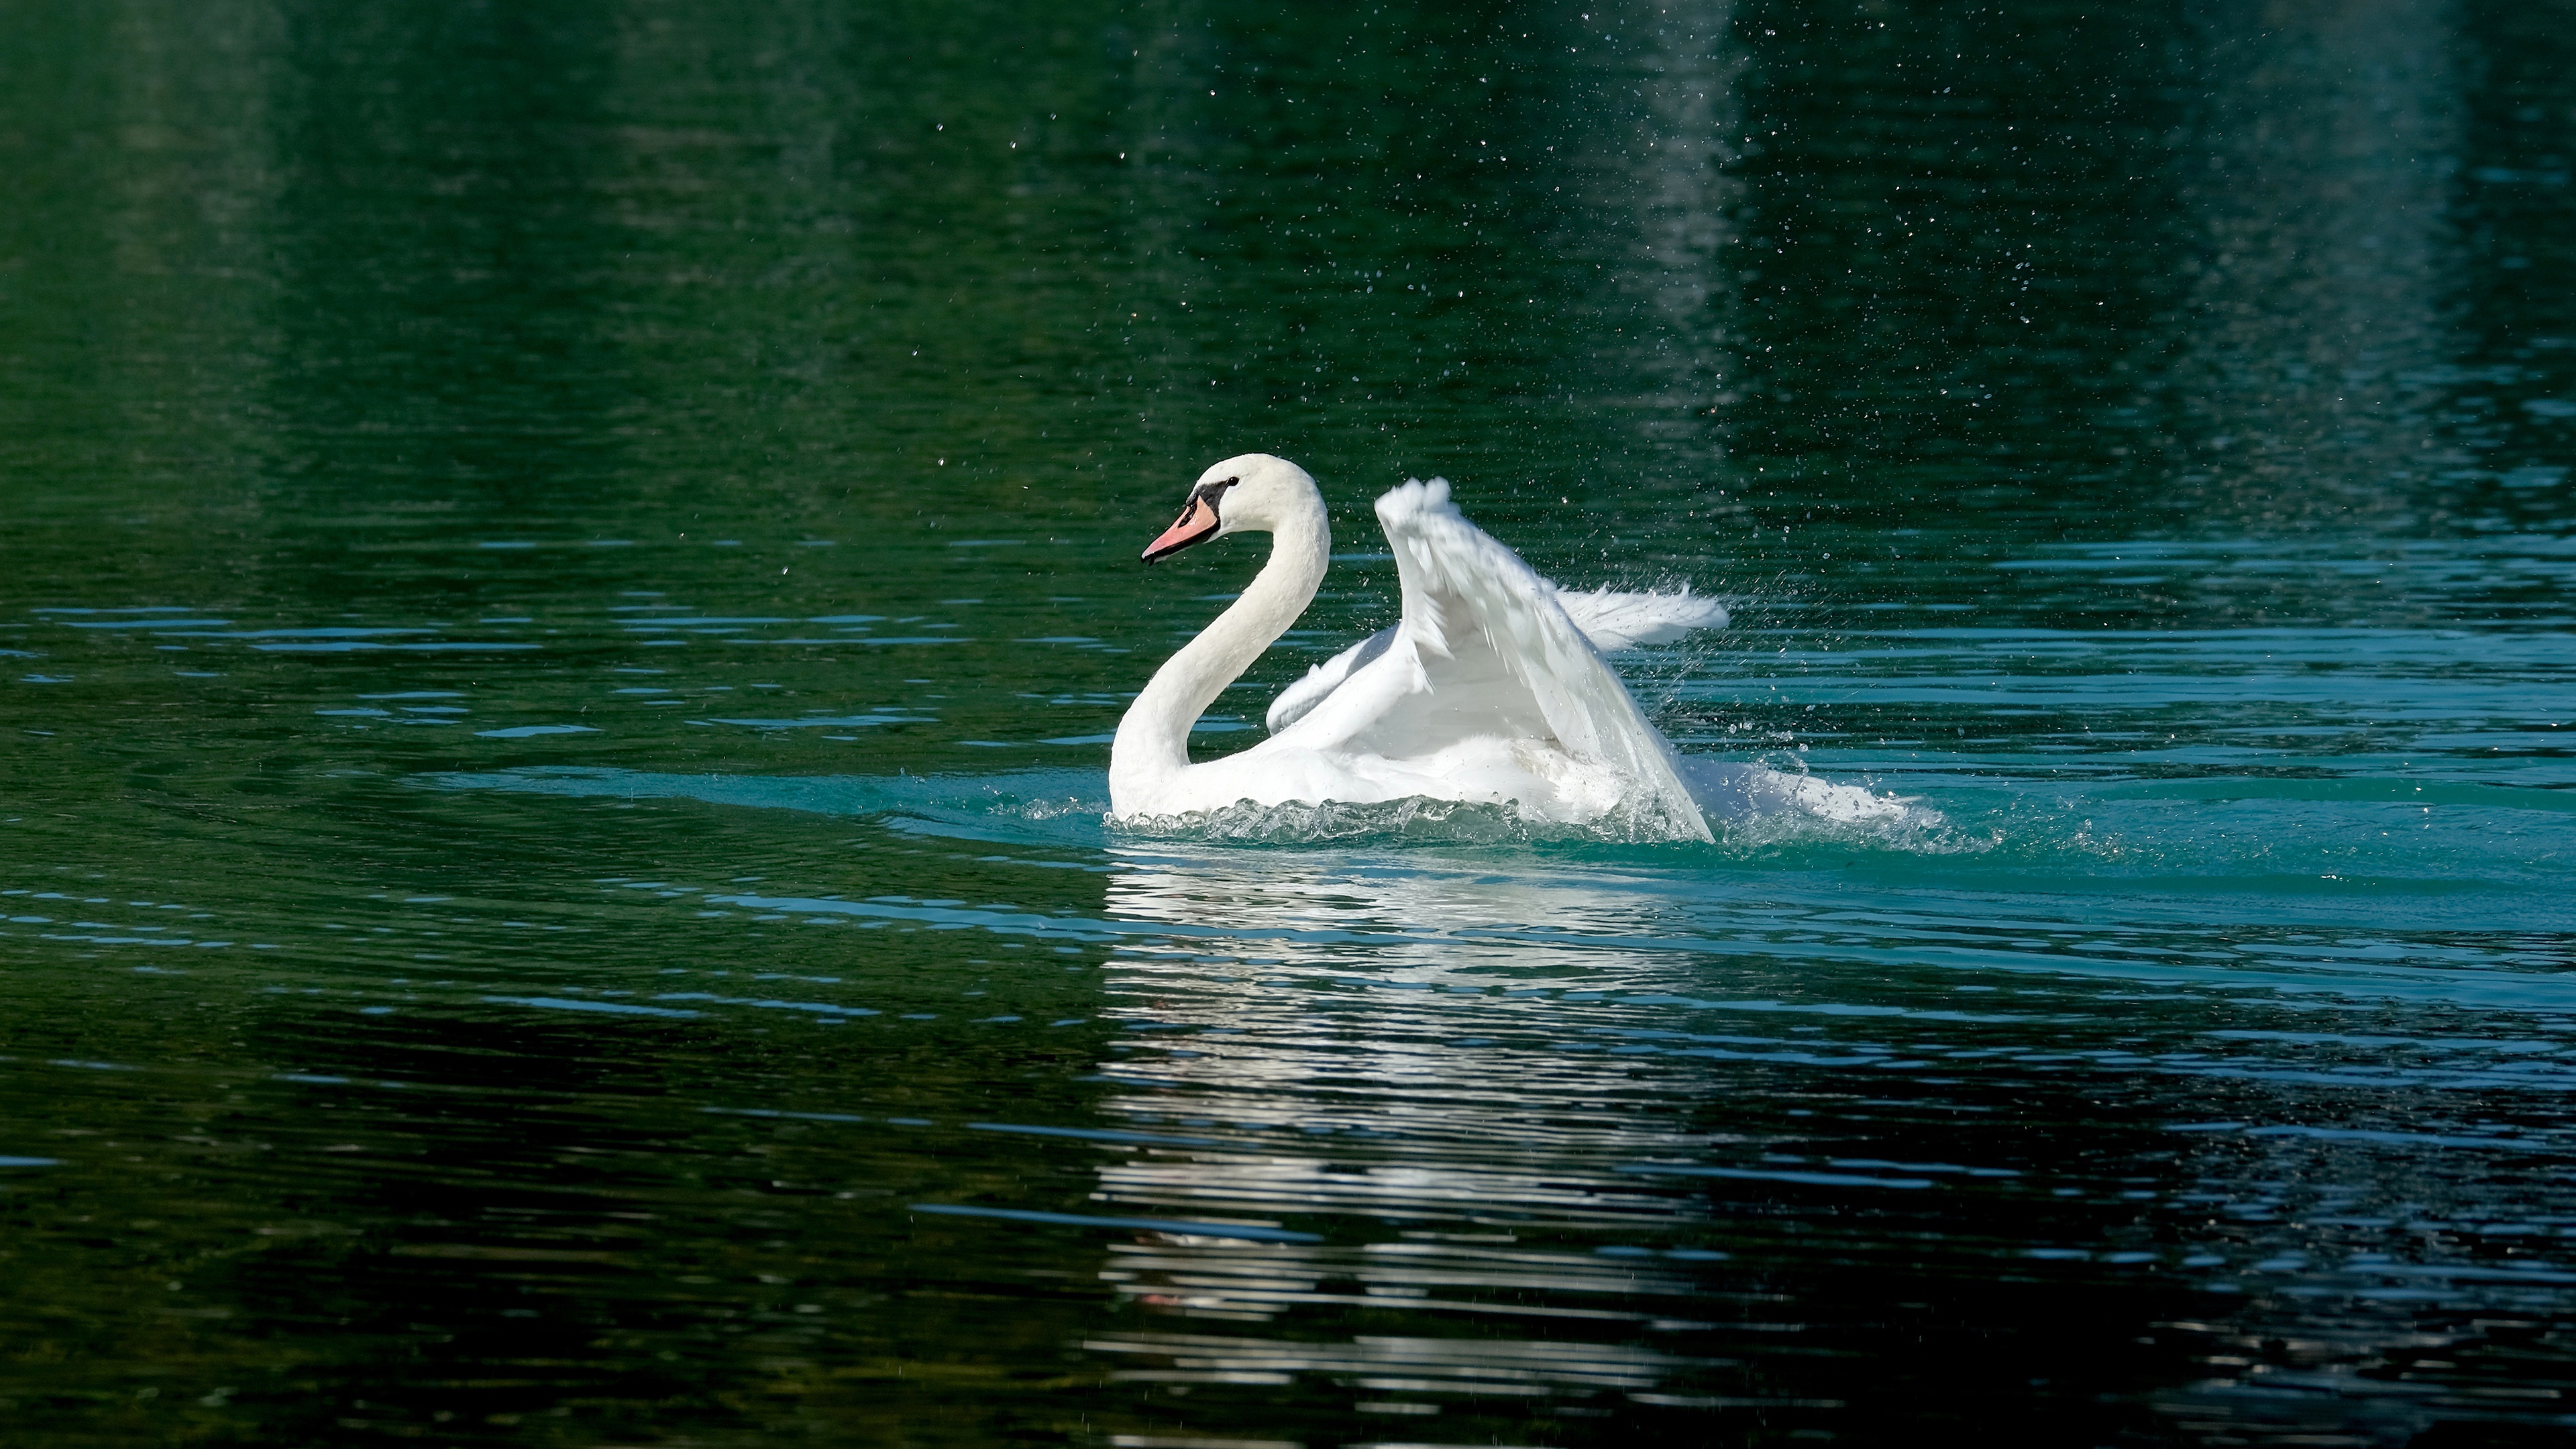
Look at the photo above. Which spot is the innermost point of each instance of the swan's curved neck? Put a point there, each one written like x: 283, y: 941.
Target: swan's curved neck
x: 1153, y: 743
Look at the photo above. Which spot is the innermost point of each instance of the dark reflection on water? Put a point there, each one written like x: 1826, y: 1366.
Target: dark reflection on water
x: 571, y: 569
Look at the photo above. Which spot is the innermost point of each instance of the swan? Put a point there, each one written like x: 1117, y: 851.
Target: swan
x: 1491, y: 687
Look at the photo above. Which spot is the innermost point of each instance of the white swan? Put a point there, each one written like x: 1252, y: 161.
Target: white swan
x: 1492, y: 687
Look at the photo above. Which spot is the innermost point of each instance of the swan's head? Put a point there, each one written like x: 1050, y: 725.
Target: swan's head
x: 1252, y: 493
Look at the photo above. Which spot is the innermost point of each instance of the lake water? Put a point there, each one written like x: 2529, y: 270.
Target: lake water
x: 570, y: 568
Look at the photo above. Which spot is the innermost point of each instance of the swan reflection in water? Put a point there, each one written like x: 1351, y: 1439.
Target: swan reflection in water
x: 1323, y: 1038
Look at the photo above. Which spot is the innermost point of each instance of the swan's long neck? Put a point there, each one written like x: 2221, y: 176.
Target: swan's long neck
x: 1153, y: 744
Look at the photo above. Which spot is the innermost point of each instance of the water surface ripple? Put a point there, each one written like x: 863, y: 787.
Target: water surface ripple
x: 572, y: 574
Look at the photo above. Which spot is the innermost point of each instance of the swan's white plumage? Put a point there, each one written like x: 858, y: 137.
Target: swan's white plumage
x: 1613, y: 620
x: 1491, y: 688
x: 1493, y: 652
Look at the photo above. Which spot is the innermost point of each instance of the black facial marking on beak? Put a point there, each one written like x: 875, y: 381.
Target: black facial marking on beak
x: 1199, y: 521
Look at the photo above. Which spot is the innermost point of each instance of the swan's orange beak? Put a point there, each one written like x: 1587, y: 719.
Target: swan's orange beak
x: 1197, y: 522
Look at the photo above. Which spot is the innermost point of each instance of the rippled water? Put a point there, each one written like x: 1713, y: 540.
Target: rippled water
x: 570, y: 571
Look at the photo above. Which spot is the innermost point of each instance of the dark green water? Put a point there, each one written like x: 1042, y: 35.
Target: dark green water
x: 569, y: 569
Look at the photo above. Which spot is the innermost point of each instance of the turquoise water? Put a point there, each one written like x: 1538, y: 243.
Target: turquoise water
x: 571, y: 568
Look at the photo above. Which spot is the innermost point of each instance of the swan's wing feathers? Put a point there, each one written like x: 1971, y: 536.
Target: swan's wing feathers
x: 1299, y: 699
x: 1615, y: 621
x: 1474, y: 611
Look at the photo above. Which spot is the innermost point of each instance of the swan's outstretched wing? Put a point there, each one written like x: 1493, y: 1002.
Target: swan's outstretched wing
x: 1298, y: 699
x: 1614, y: 621
x: 1487, y: 649
x: 1610, y: 619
